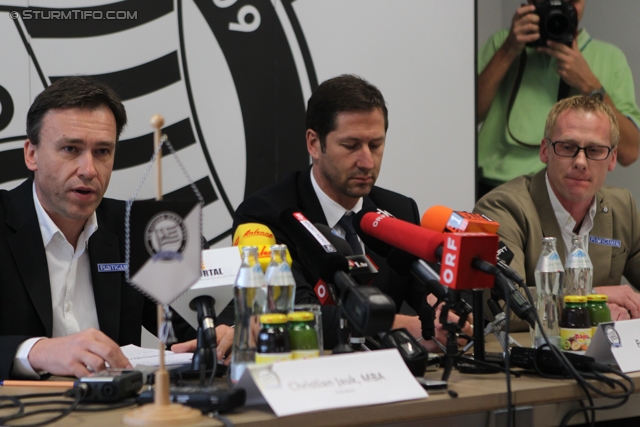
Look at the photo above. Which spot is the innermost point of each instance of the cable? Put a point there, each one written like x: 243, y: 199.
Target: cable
x: 215, y: 364
x: 77, y: 393
x: 507, y: 364
x: 224, y: 420
x: 580, y: 378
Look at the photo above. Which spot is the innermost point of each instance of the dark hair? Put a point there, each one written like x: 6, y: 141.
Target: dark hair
x: 345, y: 93
x: 74, y: 92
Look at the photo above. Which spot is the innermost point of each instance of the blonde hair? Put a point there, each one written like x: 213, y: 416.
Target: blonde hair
x: 584, y: 103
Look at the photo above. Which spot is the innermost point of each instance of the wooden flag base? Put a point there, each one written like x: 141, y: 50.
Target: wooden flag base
x: 162, y: 412
x: 172, y: 414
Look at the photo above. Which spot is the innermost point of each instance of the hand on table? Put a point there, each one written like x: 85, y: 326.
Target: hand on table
x: 71, y: 355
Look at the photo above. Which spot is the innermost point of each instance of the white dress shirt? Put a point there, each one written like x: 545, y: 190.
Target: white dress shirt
x: 73, y: 302
x: 332, y: 210
x: 567, y: 223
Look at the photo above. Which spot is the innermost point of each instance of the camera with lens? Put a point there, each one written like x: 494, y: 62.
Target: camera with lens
x: 558, y: 22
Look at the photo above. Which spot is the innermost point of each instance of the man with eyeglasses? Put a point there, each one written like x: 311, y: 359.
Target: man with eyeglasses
x: 567, y: 198
x: 518, y: 84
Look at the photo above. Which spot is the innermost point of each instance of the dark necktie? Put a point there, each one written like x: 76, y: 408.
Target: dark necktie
x: 350, y: 234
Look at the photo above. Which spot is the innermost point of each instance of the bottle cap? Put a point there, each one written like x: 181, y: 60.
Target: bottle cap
x: 598, y: 297
x: 575, y: 298
x: 274, y: 318
x: 301, y: 316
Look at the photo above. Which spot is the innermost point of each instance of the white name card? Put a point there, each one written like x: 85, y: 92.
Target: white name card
x: 219, y: 270
x: 330, y: 382
x: 617, y: 343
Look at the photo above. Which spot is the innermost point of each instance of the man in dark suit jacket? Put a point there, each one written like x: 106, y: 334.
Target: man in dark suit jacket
x: 26, y: 303
x: 58, y: 314
x: 346, y: 131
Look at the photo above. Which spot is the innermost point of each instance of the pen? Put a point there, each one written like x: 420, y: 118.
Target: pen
x: 37, y: 383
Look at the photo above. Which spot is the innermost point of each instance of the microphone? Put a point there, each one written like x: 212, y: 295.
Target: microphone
x: 203, y: 305
x: 441, y: 218
x: 468, y: 259
x: 361, y: 268
x: 376, y: 245
x: 365, y: 307
x: 401, y: 262
x: 433, y: 220
x: 518, y: 303
x: 504, y: 257
x: 254, y: 234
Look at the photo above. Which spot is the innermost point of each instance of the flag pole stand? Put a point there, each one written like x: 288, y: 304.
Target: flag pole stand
x: 161, y: 411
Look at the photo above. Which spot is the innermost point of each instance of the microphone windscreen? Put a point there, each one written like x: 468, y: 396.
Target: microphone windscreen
x: 404, y: 235
x: 255, y: 234
x: 436, y: 217
x: 444, y: 219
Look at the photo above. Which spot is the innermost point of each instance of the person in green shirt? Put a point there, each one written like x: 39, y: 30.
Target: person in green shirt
x: 589, y: 66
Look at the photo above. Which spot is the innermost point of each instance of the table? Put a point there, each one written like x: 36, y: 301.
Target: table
x: 481, y: 399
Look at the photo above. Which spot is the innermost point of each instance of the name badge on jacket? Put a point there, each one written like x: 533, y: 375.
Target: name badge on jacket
x: 112, y: 268
x: 604, y: 242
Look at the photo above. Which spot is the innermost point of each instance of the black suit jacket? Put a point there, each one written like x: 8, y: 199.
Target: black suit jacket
x: 296, y: 191
x: 25, y: 293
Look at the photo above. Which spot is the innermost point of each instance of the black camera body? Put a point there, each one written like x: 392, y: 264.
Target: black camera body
x: 558, y: 22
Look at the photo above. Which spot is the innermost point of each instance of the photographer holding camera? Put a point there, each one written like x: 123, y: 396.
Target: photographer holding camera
x: 524, y: 70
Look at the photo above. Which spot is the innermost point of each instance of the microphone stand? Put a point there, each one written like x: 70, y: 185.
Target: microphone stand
x: 497, y: 325
x: 343, y: 336
x: 202, y: 360
x: 453, y: 357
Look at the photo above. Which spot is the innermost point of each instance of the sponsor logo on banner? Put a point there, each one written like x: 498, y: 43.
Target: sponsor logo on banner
x: 166, y: 237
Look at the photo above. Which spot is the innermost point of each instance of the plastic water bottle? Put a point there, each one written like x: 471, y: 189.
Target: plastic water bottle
x: 550, y: 293
x: 281, y: 286
x: 249, y: 297
x: 579, y: 269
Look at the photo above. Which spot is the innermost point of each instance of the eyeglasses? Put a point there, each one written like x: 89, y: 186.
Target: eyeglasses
x: 568, y: 149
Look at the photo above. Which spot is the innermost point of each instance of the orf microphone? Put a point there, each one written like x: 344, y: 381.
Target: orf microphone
x: 376, y: 245
x: 505, y: 290
x: 462, y: 254
x: 444, y: 219
x: 441, y: 218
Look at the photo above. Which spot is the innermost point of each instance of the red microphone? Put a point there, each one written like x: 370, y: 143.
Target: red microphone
x: 456, y: 251
x: 403, y: 235
x: 441, y: 218
x: 324, y: 293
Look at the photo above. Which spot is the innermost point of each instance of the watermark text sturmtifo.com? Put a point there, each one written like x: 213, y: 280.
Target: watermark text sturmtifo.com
x: 74, y: 14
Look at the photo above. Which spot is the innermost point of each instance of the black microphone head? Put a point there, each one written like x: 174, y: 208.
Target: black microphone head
x: 401, y: 261
x: 341, y: 245
x: 504, y: 253
x: 360, y: 268
x: 405, y: 264
x: 376, y: 245
x: 315, y: 251
x: 200, y: 300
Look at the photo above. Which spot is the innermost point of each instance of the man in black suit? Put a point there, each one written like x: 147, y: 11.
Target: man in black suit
x: 346, y: 125
x: 58, y: 313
